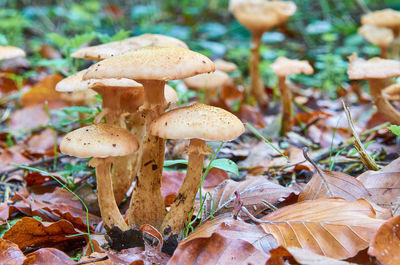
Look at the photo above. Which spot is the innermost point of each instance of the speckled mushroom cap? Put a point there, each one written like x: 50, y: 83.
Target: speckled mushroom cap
x: 284, y: 67
x: 8, y: 52
x: 198, y: 121
x: 108, y: 50
x: 225, y: 66
x: 75, y: 83
x: 375, y: 68
x: 382, y: 37
x: 99, y: 140
x: 152, y: 63
x: 387, y: 18
x: 261, y: 15
x: 207, y: 81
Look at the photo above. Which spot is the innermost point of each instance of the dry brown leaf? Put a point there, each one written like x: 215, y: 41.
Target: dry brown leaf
x: 250, y: 114
x: 331, y: 227
x: 42, y: 143
x: 340, y: 184
x: 48, y: 256
x: 305, y: 257
x: 42, y: 91
x: 214, y: 177
x: 29, y: 232
x: 385, y: 246
x: 306, y: 118
x: 217, y: 249
x: 170, y: 183
x: 137, y: 256
x: 10, y: 253
x: 296, y: 156
x: 228, y: 227
x: 7, y: 86
x: 28, y: 118
x: 383, y: 185
x: 12, y: 155
x: 252, y: 192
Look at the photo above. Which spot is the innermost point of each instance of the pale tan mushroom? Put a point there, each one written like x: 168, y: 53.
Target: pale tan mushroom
x: 199, y: 123
x: 283, y: 67
x: 102, y: 142
x: 377, y: 71
x: 152, y: 67
x: 259, y: 16
x: 9, y: 52
x: 381, y: 37
x: 392, y: 91
x: 225, y: 66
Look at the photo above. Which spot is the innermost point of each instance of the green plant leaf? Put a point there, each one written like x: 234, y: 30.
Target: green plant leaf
x: 226, y: 164
x: 57, y: 39
x: 168, y: 163
x: 395, y: 129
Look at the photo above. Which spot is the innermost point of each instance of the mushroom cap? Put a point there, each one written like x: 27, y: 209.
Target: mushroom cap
x: 75, y: 83
x: 8, y: 52
x: 387, y: 18
x: 208, y: 81
x: 170, y: 94
x: 225, y: 66
x: 261, y: 15
x: 152, y: 63
x: 375, y: 68
x: 108, y: 50
x: 99, y: 140
x: 198, y: 121
x: 381, y: 37
x: 79, y: 96
x: 284, y: 67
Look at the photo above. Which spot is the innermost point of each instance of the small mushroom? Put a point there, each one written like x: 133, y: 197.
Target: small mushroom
x: 393, y: 91
x: 9, y: 52
x: 115, y: 48
x: 152, y: 67
x: 259, y: 16
x: 381, y: 37
x: 199, y: 123
x: 209, y: 83
x: 283, y: 67
x: 377, y: 71
x: 225, y: 66
x: 102, y: 142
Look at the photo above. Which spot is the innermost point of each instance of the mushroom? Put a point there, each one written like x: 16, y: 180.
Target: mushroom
x: 209, y: 83
x: 9, y: 52
x: 152, y: 67
x: 225, y: 66
x: 283, y: 67
x: 381, y: 37
x: 393, y: 91
x: 259, y: 16
x: 102, y: 142
x: 108, y: 50
x: 377, y: 71
x: 199, y: 123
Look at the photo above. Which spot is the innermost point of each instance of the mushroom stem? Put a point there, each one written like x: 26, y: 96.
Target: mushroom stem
x: 147, y: 204
x: 384, y: 52
x: 178, y: 214
x: 382, y: 104
x: 287, y: 109
x: 257, y: 87
x: 108, y: 207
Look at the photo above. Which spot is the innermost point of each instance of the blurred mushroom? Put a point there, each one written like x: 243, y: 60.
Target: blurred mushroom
x: 199, y: 123
x: 393, y: 91
x: 152, y: 67
x: 108, y: 50
x: 8, y: 52
x: 259, y: 16
x: 102, y: 142
x: 209, y: 83
x: 225, y: 66
x: 381, y: 37
x: 377, y: 71
x: 283, y: 67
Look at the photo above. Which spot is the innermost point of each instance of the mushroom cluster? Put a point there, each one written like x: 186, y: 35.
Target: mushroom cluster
x: 134, y: 83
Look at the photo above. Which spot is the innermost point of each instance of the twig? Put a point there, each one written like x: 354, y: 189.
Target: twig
x: 269, y: 205
x: 92, y: 260
x: 318, y: 171
x: 366, y: 159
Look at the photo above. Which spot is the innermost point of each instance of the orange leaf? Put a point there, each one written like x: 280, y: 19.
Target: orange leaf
x: 48, y: 256
x: 42, y: 91
x: 331, y: 227
x: 386, y: 244
x: 10, y: 253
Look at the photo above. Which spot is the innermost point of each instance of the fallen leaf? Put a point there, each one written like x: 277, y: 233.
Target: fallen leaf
x: 7, y: 86
x: 250, y: 114
x: 217, y: 249
x: 137, y: 256
x: 12, y: 155
x: 308, y: 117
x: 385, y: 246
x: 29, y: 232
x: 252, y: 192
x: 331, y: 227
x: 296, y: 156
x: 214, y: 177
x: 383, y: 185
x: 10, y: 253
x: 170, y: 183
x: 42, y: 91
x: 42, y: 143
x: 48, y: 256
x: 28, y: 118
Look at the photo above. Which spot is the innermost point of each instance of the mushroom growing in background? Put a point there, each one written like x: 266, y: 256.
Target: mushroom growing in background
x: 225, y: 66
x: 393, y: 91
x: 8, y: 52
x: 377, y: 71
x: 283, y: 67
x: 102, y: 142
x: 199, y: 123
x: 381, y: 37
x: 259, y: 16
x: 152, y: 67
x: 209, y: 83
